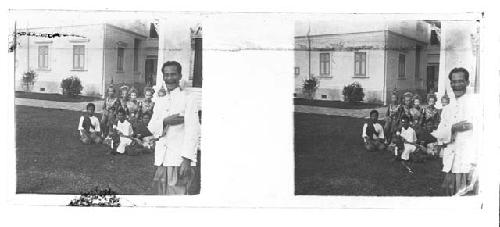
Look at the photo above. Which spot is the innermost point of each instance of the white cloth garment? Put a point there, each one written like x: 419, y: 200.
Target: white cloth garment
x: 378, y: 128
x: 94, y: 121
x: 461, y: 153
x: 126, y: 129
x: 410, y: 136
x: 179, y: 140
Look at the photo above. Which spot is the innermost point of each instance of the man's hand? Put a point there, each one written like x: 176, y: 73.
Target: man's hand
x: 461, y: 126
x: 173, y: 120
x: 186, y: 163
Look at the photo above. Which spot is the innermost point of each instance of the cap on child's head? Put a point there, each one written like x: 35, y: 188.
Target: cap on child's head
x: 90, y: 105
x: 373, y: 112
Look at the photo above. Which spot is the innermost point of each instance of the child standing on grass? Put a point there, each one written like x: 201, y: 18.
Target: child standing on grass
x: 373, y: 133
x: 111, y: 103
x: 89, y: 126
x: 408, y: 137
x: 124, y: 129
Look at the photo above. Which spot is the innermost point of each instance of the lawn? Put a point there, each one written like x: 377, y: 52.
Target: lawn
x: 51, y: 160
x: 55, y: 97
x: 335, y: 104
x: 330, y: 160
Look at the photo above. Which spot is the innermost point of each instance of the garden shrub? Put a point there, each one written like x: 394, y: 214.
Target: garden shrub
x: 71, y: 86
x: 29, y: 79
x: 353, y: 92
x: 309, y: 87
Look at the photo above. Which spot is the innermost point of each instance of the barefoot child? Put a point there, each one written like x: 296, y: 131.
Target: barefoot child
x: 124, y: 129
x: 89, y: 126
x: 409, y: 139
x: 373, y: 133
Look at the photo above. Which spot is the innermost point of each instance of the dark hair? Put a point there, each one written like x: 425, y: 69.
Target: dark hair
x: 172, y: 63
x: 458, y: 70
x: 91, y: 105
x: 121, y: 110
x: 404, y: 117
x: 373, y: 112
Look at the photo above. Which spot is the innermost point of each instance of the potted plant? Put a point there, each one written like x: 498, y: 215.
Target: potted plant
x: 28, y: 79
x: 309, y: 87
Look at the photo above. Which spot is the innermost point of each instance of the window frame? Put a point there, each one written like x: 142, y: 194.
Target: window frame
x: 358, y: 72
x: 402, y: 66
x: 44, y: 57
x: 322, y: 63
x: 120, y: 58
x: 80, y: 55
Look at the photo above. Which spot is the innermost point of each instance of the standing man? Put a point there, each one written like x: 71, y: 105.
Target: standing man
x: 176, y: 148
x: 456, y: 130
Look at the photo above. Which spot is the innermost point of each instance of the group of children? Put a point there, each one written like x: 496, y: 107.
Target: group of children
x: 125, y: 121
x: 407, y: 129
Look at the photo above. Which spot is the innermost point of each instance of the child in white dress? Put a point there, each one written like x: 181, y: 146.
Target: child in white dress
x: 124, y: 130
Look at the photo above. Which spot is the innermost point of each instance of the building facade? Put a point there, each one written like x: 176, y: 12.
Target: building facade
x: 392, y: 58
x: 98, y: 54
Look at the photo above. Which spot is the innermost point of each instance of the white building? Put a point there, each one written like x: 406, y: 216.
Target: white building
x: 97, y: 54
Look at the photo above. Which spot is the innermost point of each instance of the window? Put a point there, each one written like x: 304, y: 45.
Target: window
x: 402, y: 66
x: 324, y: 64
x: 297, y: 71
x: 43, y: 57
x: 359, y: 64
x: 418, y: 50
x: 78, y: 56
x: 136, y: 55
x: 119, y: 64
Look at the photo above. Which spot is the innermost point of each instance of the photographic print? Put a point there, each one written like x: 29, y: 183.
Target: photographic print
x: 106, y: 103
x: 386, y: 107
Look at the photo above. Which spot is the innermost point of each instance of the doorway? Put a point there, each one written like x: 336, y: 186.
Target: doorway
x: 432, y: 77
x: 150, y: 70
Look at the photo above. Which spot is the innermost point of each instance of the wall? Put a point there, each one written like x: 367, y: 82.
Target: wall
x: 118, y: 38
x: 396, y: 45
x: 341, y: 49
x: 61, y: 58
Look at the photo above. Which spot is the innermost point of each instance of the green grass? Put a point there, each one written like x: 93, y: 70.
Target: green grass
x: 335, y: 104
x: 330, y: 160
x: 55, y: 97
x: 51, y: 160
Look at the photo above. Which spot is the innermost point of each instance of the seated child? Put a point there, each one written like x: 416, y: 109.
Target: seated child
x: 408, y: 137
x: 373, y: 133
x: 89, y: 126
x: 143, y: 138
x: 124, y: 129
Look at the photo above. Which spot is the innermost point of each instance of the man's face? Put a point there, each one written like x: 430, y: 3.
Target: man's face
x: 374, y: 117
x: 458, y: 83
x: 124, y: 93
x: 171, y: 77
x: 111, y: 92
